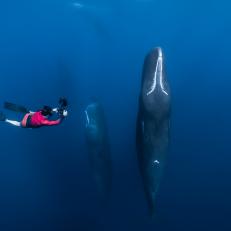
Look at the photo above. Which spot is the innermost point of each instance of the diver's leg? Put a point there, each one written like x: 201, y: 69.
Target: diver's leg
x: 13, y: 122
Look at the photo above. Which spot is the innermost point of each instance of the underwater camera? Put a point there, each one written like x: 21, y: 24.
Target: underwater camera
x: 63, y: 103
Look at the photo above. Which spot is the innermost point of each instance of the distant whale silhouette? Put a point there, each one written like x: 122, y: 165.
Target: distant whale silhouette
x: 98, y: 147
x: 91, y: 7
x: 94, y: 15
x: 152, y: 136
x: 78, y: 5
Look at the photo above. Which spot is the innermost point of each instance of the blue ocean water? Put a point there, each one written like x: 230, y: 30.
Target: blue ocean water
x: 96, y: 48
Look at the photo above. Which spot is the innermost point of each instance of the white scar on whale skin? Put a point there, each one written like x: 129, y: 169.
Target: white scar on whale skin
x: 155, y: 163
x: 159, y: 68
x: 87, y: 117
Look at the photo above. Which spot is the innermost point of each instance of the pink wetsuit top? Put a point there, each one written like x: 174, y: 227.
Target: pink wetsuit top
x: 38, y: 120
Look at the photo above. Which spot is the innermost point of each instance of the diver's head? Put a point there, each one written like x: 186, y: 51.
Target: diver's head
x: 47, y: 111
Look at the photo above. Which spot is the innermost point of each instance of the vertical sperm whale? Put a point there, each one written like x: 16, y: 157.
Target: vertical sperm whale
x: 98, y: 147
x: 152, y: 131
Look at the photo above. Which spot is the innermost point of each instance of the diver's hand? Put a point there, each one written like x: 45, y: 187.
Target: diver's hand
x: 55, y: 110
x: 65, y: 113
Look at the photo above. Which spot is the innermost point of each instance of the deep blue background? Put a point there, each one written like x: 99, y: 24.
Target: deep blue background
x: 50, y: 48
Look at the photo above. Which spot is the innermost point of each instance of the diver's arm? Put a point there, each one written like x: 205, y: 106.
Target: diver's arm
x: 55, y: 122
x: 51, y: 122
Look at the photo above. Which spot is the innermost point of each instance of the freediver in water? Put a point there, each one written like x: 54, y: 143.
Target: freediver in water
x: 36, y: 119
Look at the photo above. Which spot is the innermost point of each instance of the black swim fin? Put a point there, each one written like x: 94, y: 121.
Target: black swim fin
x: 15, y: 107
x: 2, y: 116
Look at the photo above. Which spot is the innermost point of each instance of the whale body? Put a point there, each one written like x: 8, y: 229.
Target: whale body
x: 98, y: 147
x: 152, y: 134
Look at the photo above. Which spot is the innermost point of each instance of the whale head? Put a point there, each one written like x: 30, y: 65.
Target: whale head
x: 155, y: 94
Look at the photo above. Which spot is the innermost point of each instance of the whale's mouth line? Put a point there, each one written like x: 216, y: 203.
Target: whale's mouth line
x: 158, y: 72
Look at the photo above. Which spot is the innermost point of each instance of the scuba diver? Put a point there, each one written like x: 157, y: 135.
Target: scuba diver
x: 36, y: 119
